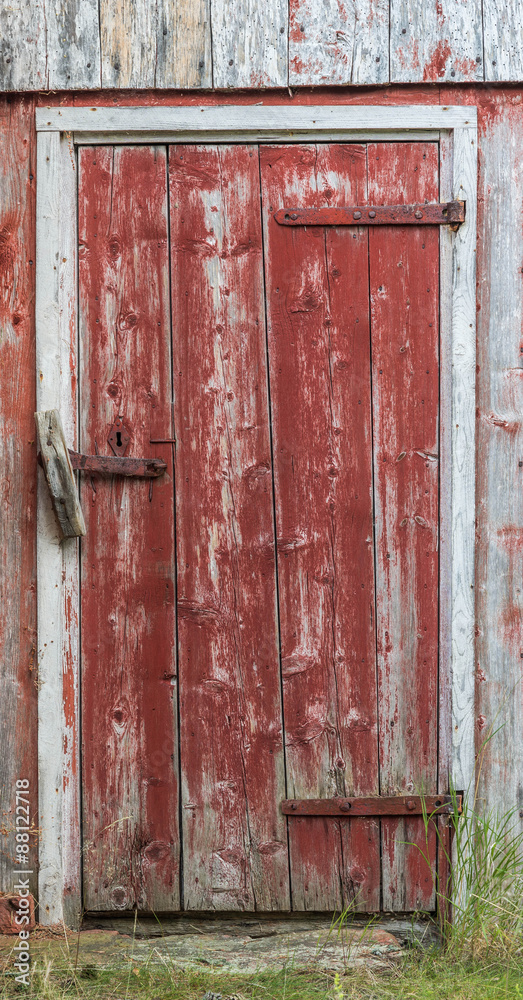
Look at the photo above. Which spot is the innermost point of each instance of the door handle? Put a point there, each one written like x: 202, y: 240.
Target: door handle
x: 59, y: 464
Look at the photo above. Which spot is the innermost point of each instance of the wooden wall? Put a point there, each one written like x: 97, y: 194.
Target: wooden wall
x: 88, y: 44
x: 18, y: 680
x: 499, y: 584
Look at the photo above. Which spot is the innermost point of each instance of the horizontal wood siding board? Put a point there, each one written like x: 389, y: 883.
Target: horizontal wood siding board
x: 250, y: 121
x: 436, y: 40
x: 249, y: 43
x: 129, y: 743
x: 336, y: 42
x: 80, y: 45
x: 319, y: 353
x: 235, y: 853
x: 18, y: 712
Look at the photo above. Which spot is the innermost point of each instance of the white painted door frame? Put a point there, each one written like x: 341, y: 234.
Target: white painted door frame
x: 59, y: 131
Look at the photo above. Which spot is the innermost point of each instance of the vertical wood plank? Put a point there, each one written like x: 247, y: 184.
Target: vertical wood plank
x: 249, y: 43
x: 72, y: 35
x: 404, y: 289
x: 503, y: 40
x: 231, y: 745
x: 65, y: 379
x: 183, y: 47
x: 319, y: 349
x: 57, y: 577
x: 333, y: 42
x: 24, y: 46
x: 499, y: 601
x: 446, y: 247
x: 129, y: 745
x: 155, y: 45
x: 18, y: 715
x: 464, y: 170
x: 436, y: 40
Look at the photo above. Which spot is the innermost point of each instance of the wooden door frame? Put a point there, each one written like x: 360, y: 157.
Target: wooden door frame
x: 59, y: 131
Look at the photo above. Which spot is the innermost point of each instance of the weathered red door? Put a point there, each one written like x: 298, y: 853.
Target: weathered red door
x: 261, y: 622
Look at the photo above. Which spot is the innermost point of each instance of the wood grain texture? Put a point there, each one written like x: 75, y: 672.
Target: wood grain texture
x: 503, y: 40
x: 57, y: 560
x: 436, y: 40
x: 319, y: 350
x: 56, y: 463
x: 23, y: 61
x: 129, y: 743
x: 249, y: 43
x: 253, y: 122
x: 72, y: 36
x: 499, y: 603
x: 338, y: 42
x: 68, y: 662
x: 404, y: 291
x: 18, y: 705
x: 231, y: 741
x: 71, y: 45
x: 155, y: 45
x: 446, y: 248
x: 464, y: 180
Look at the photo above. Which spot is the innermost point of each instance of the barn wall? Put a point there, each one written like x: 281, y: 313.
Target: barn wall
x: 88, y: 44
x: 499, y: 584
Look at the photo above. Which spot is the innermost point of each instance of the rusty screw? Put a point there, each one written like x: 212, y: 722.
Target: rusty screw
x: 410, y: 804
x: 418, y: 214
x: 372, y: 215
x: 345, y: 805
x: 356, y: 215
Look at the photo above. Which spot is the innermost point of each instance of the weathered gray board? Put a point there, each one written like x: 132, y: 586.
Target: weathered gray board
x: 499, y: 502
x: 86, y: 44
x: 59, y: 473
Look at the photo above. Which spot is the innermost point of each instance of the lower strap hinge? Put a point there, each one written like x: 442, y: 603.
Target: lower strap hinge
x: 375, y: 805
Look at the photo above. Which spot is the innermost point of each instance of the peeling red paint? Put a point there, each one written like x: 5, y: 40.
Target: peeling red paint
x: 511, y: 537
x: 434, y: 69
x: 511, y: 626
x: 129, y: 745
x: 18, y: 713
x: 495, y: 106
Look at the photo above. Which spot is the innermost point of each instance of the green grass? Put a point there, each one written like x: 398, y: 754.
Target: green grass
x: 418, y: 977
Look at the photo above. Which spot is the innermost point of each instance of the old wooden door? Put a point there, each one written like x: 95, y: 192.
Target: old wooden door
x: 261, y: 622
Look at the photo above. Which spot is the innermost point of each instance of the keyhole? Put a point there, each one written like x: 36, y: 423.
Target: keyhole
x: 118, y: 439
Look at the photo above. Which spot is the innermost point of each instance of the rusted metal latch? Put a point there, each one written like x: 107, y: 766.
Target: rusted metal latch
x: 110, y: 465
x: 377, y: 805
x: 59, y: 463
x: 451, y: 213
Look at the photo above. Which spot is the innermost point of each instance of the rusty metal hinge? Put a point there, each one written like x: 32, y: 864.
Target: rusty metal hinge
x: 377, y: 805
x: 451, y: 213
x: 110, y: 465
